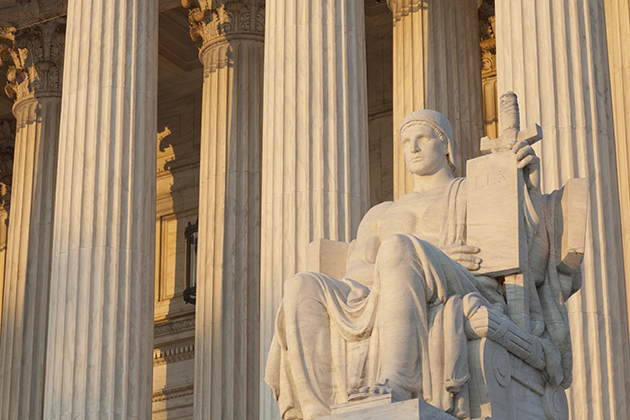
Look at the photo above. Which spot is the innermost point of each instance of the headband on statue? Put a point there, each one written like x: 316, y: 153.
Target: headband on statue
x: 438, y: 123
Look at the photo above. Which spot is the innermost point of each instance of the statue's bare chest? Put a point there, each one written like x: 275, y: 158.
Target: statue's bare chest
x: 421, y: 215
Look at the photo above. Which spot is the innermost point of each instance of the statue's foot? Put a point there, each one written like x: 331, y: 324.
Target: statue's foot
x: 388, y: 387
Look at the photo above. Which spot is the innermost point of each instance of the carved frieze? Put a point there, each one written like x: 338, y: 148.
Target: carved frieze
x: 167, y: 328
x: 35, y: 58
x: 217, y: 19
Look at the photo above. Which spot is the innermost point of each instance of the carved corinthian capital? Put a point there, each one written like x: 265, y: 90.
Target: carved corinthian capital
x: 213, y: 20
x: 35, y: 58
x: 402, y: 8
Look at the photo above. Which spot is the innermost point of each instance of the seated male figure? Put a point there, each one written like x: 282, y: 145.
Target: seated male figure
x: 394, y: 323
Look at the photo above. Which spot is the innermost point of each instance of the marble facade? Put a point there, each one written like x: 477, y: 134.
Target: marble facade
x: 276, y: 124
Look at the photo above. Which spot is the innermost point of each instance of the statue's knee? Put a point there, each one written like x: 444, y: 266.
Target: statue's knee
x: 394, y: 249
x: 299, y: 287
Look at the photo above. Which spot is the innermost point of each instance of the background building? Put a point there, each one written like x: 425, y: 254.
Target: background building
x: 270, y: 124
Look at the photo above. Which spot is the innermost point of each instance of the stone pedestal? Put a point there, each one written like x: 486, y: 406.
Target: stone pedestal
x: 563, y: 85
x: 315, y: 144
x: 437, y: 66
x: 618, y: 33
x: 406, y: 410
x: 228, y: 274
x: 98, y: 356
x: 34, y: 81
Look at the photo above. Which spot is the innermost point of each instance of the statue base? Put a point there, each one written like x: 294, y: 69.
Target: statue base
x: 381, y: 408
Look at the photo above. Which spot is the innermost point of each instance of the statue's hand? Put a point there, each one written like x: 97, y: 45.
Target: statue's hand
x: 463, y: 254
x: 528, y: 162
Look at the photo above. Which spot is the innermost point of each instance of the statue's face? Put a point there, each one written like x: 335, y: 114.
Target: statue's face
x: 425, y: 152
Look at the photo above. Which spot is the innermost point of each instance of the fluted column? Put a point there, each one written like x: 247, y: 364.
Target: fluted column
x: 98, y: 363
x: 7, y: 149
x: 315, y: 145
x: 228, y: 275
x: 618, y: 31
x: 34, y: 82
x: 436, y: 66
x: 553, y: 55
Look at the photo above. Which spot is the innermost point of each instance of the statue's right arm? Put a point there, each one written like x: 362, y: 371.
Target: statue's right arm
x: 360, y: 265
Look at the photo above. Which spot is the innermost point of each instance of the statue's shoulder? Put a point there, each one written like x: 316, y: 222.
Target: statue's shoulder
x: 370, y: 221
x: 378, y: 210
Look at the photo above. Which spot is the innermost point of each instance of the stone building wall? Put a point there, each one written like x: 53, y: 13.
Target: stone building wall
x: 179, y: 126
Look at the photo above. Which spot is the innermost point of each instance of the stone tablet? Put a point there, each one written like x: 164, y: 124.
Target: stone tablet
x: 494, y: 219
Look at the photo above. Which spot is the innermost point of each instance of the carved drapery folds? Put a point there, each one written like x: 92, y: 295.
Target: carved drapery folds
x: 214, y: 20
x: 35, y: 58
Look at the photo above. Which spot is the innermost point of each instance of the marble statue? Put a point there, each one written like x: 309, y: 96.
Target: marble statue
x: 395, y: 323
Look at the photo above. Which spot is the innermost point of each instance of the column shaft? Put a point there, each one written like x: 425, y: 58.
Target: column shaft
x: 7, y: 148
x: 437, y: 66
x: 34, y: 82
x: 618, y: 31
x: 315, y: 144
x: 227, y: 304
x: 553, y: 55
x: 103, y: 263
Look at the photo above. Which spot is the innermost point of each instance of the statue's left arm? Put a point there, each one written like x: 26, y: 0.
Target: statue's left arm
x: 360, y: 265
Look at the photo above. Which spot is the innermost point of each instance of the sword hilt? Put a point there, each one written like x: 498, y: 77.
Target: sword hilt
x: 509, y: 119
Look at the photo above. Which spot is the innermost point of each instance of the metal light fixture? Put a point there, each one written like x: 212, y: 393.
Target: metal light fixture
x: 190, y: 293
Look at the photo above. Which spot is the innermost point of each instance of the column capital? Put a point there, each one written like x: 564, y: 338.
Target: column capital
x: 214, y: 20
x: 404, y: 7
x: 35, y: 58
x: 401, y: 7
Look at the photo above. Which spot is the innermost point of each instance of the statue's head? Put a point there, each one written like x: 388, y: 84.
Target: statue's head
x: 432, y: 129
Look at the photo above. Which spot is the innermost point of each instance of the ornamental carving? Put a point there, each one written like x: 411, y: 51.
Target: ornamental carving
x: 402, y: 8
x: 35, y: 58
x: 212, y: 19
x: 488, y: 46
